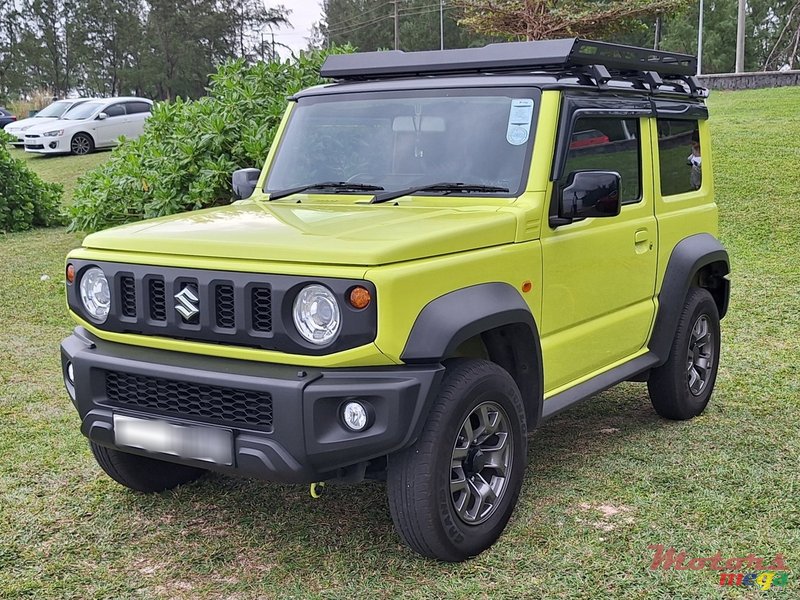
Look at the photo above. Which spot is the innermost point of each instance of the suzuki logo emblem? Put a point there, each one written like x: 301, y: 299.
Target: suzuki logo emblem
x: 187, y: 303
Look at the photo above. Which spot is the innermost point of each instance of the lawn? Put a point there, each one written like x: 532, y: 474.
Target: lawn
x: 62, y: 169
x: 605, y: 481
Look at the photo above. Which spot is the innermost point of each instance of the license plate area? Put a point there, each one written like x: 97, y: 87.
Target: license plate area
x: 192, y: 442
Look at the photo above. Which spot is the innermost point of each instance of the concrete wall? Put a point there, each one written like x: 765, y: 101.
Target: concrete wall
x: 750, y: 81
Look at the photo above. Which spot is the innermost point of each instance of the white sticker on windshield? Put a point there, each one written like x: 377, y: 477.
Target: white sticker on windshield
x: 519, y: 121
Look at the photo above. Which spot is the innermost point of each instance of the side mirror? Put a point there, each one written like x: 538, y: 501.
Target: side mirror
x: 102, y: 116
x: 244, y: 182
x: 589, y: 194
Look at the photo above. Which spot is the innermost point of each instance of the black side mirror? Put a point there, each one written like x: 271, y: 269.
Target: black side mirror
x: 588, y: 194
x: 244, y: 182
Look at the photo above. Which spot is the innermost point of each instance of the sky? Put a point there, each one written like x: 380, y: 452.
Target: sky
x: 304, y: 14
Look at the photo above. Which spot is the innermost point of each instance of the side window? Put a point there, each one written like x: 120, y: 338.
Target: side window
x: 135, y: 108
x: 679, y: 156
x: 115, y: 110
x: 607, y: 144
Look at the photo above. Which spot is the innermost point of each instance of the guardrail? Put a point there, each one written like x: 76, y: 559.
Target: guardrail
x: 750, y: 81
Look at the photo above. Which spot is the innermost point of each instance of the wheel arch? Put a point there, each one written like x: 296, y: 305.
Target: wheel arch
x: 489, y: 320
x: 87, y: 134
x: 696, y: 261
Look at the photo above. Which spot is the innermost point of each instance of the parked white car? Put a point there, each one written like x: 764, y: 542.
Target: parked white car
x: 53, y: 112
x: 93, y: 124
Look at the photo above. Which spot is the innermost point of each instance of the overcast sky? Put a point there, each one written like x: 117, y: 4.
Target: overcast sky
x: 304, y: 14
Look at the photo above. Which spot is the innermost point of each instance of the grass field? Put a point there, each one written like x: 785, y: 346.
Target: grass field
x: 62, y: 169
x: 605, y: 481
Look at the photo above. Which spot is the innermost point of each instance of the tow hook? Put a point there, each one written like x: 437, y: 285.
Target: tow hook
x: 317, y: 488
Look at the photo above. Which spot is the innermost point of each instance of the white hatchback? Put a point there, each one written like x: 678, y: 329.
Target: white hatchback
x: 53, y: 112
x: 93, y: 124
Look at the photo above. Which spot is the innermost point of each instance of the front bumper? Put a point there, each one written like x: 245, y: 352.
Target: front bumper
x: 304, y: 440
x: 46, y: 145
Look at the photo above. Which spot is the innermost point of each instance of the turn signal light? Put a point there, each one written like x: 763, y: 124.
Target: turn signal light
x: 70, y: 273
x: 360, y: 297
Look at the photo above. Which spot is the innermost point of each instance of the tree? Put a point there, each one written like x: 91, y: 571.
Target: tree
x: 546, y: 19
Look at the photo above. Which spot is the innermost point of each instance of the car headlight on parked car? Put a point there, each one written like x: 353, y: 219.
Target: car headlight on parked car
x: 316, y: 314
x: 54, y: 133
x: 95, y: 294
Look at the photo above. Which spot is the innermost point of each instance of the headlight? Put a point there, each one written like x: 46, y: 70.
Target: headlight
x: 316, y: 314
x: 54, y: 133
x: 95, y: 294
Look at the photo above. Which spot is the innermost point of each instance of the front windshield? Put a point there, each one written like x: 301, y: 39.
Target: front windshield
x: 408, y: 139
x: 83, y: 111
x: 56, y: 109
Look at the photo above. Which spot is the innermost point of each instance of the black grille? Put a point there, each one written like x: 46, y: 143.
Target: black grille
x: 221, y: 405
x: 127, y: 292
x: 158, y: 300
x: 225, y: 309
x: 262, y: 308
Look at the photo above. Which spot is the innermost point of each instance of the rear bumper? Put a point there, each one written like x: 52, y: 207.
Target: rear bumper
x: 303, y: 439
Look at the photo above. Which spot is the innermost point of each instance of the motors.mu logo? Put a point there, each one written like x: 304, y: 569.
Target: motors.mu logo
x: 748, y: 571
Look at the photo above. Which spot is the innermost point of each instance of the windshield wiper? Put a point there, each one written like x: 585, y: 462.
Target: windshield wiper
x: 339, y: 186
x: 437, y: 187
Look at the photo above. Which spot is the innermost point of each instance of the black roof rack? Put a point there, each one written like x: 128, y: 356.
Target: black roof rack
x: 564, y: 54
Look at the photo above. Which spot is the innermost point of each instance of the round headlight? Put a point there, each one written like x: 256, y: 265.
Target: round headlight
x: 316, y: 314
x: 95, y: 294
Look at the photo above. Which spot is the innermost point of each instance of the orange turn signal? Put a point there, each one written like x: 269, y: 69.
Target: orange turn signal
x: 360, y: 297
x: 70, y: 273
x: 526, y: 286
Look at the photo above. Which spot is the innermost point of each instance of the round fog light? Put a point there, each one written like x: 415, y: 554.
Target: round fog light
x: 355, y: 416
x: 70, y: 373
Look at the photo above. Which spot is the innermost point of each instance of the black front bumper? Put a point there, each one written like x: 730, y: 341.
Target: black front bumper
x: 304, y: 439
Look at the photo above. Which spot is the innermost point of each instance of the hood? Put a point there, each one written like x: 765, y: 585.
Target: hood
x: 312, y: 233
x: 47, y: 124
x: 29, y: 122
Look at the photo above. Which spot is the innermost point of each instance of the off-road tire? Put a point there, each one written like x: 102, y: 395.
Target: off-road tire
x: 419, y: 478
x: 670, y: 385
x: 141, y: 473
x: 81, y: 144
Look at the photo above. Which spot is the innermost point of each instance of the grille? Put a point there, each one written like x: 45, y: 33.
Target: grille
x: 158, y: 300
x: 261, y: 298
x: 222, y: 405
x: 127, y: 292
x: 223, y: 302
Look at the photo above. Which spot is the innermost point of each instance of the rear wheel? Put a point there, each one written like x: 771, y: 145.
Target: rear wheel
x: 141, y: 473
x: 452, y: 492
x: 681, y: 388
x: 81, y: 144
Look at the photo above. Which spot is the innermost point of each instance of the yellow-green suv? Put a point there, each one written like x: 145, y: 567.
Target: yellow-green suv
x: 442, y: 250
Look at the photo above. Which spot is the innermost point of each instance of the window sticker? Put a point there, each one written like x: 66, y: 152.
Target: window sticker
x: 519, y: 121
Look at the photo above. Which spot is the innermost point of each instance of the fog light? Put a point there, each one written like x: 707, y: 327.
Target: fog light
x: 355, y: 416
x: 70, y: 373
x: 53, y: 145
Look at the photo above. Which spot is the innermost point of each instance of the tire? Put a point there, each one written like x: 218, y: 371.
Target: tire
x: 81, y: 144
x: 141, y: 473
x: 681, y: 388
x: 421, y: 477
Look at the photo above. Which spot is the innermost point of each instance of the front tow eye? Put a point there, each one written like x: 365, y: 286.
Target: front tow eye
x: 316, y: 489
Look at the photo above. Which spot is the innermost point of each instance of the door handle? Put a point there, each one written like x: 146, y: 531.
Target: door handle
x: 641, y: 236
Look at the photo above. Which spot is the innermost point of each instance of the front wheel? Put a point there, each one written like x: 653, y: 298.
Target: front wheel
x: 453, y: 491
x: 81, y: 144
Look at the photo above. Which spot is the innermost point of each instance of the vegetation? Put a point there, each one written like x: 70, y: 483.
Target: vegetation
x: 155, y: 48
x: 63, y: 170
x: 189, y: 149
x: 605, y: 481
x: 25, y: 200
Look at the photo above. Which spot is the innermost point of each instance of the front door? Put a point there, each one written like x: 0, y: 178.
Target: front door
x: 599, y: 273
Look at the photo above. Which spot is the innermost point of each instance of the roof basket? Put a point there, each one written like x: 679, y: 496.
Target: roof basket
x: 548, y: 55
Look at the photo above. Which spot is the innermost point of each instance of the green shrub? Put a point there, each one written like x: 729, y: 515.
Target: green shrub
x: 25, y: 200
x: 189, y: 149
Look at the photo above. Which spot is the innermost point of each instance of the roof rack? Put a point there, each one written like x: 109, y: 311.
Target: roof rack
x: 547, y: 55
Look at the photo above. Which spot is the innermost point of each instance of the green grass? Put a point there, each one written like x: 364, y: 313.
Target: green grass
x: 63, y: 169
x: 726, y: 481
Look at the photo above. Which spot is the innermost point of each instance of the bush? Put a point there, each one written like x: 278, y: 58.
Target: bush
x: 189, y: 149
x: 25, y: 200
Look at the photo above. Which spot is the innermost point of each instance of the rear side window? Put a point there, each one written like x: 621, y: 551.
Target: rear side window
x: 607, y: 144
x: 679, y: 156
x: 134, y: 108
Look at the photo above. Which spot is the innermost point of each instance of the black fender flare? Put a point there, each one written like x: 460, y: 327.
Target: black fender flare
x: 689, y: 256
x: 449, y: 320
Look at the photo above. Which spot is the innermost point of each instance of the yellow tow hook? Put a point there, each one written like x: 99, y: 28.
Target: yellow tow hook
x: 317, y: 489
